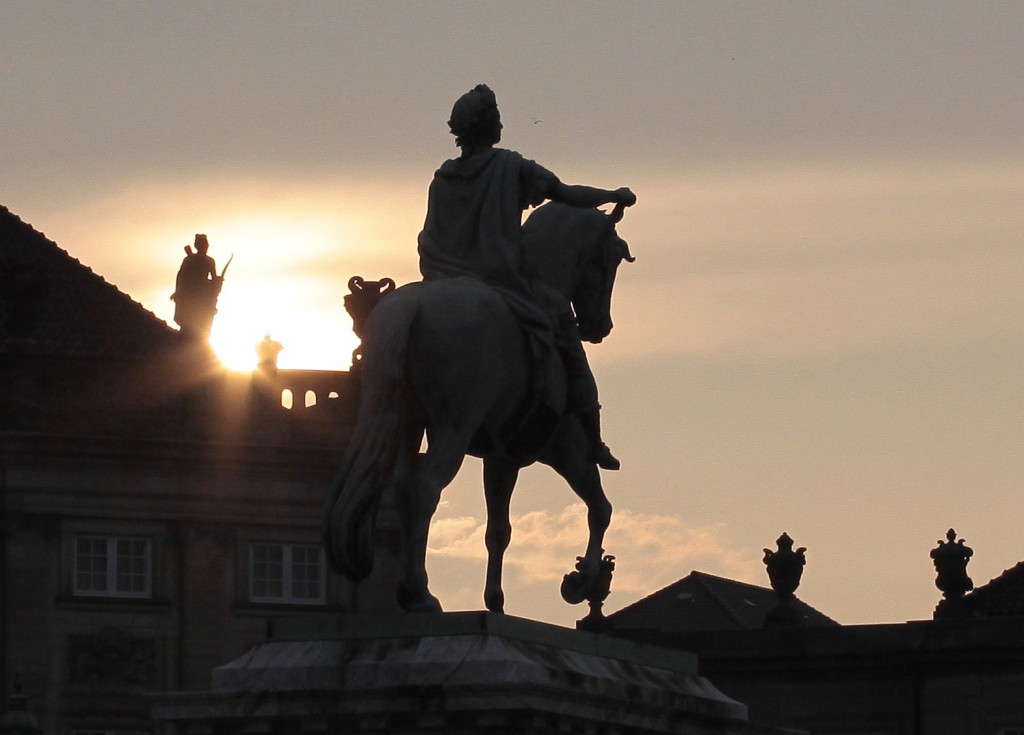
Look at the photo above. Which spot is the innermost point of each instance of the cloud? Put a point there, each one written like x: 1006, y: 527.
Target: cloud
x: 651, y: 550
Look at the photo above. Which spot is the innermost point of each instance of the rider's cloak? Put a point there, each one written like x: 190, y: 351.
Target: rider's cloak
x: 474, y: 217
x: 474, y: 229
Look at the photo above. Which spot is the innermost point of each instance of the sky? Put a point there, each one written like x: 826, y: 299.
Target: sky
x: 822, y: 333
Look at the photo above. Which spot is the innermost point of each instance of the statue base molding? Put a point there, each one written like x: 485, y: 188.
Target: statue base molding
x: 453, y: 673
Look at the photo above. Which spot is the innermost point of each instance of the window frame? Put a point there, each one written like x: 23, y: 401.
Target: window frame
x: 288, y: 564
x: 111, y: 572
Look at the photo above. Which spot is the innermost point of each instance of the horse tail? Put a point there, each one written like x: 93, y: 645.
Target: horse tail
x: 369, y: 461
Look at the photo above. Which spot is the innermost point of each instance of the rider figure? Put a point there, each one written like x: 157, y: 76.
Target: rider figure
x: 474, y: 227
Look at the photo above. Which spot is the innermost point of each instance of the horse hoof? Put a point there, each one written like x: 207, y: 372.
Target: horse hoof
x: 429, y: 605
x: 426, y: 603
x: 574, y: 588
x: 422, y: 602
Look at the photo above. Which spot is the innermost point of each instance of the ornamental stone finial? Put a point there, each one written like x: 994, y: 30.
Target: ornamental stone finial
x: 950, y: 558
x: 364, y: 296
x: 785, y: 567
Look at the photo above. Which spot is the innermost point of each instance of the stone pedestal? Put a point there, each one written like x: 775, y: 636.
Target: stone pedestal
x: 455, y: 673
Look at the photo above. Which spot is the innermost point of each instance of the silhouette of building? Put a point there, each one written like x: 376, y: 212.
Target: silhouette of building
x: 702, y: 602
x: 931, y: 677
x: 158, y: 513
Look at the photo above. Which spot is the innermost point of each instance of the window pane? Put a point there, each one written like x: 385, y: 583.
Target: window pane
x: 267, y: 571
x: 307, y: 568
x: 113, y: 566
x: 286, y: 573
x: 91, y: 565
x: 132, y: 564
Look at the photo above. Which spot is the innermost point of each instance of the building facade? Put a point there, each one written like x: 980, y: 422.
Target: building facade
x: 157, y: 513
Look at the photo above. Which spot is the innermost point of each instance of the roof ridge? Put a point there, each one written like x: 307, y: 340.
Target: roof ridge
x: 666, y: 588
x: 1000, y: 580
x: 761, y: 589
x: 53, y: 304
x: 701, y: 579
x: 39, y: 234
x: 735, y: 582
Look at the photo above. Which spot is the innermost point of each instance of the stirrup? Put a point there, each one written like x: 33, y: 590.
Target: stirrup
x: 602, y: 456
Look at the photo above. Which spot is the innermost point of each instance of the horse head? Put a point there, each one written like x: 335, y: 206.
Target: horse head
x: 577, y: 252
x: 599, y: 264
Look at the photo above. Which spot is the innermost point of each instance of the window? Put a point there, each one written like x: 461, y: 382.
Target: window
x: 112, y: 566
x: 291, y: 573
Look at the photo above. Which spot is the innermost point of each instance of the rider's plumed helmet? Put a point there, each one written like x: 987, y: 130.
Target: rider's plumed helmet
x: 475, y: 118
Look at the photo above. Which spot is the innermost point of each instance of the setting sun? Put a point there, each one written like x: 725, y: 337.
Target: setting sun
x: 294, y: 248
x: 305, y: 314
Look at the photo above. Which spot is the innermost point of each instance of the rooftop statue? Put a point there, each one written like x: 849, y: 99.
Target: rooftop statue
x: 267, y: 351
x: 196, y: 290
x: 484, y: 357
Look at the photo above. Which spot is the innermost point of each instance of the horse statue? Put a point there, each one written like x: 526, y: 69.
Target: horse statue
x: 447, y: 358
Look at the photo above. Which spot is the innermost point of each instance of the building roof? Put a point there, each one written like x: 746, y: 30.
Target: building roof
x: 703, y: 602
x: 1003, y: 597
x: 80, y: 358
x: 53, y: 306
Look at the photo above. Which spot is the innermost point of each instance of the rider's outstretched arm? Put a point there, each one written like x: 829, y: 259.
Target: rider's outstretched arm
x: 576, y: 195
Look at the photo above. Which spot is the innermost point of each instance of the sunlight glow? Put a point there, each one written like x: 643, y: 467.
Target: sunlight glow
x: 295, y: 246
x: 257, y: 300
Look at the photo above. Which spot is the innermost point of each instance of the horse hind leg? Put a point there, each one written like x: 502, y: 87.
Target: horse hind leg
x: 402, y: 479
x: 418, y: 501
x: 499, y: 480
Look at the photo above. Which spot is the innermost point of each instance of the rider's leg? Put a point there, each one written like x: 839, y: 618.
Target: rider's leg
x: 599, y: 452
x: 582, y: 400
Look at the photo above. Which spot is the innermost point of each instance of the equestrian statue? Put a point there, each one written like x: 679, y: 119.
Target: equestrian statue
x: 484, y: 357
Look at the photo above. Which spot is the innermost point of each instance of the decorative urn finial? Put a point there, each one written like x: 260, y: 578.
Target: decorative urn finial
x: 785, y: 567
x: 950, y: 558
x: 364, y: 296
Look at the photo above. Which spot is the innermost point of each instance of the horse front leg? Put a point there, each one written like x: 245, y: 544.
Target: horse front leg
x: 499, y: 480
x: 568, y: 457
x: 587, y: 485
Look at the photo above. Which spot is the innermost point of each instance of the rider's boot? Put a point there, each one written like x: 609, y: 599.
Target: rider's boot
x: 599, y: 453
